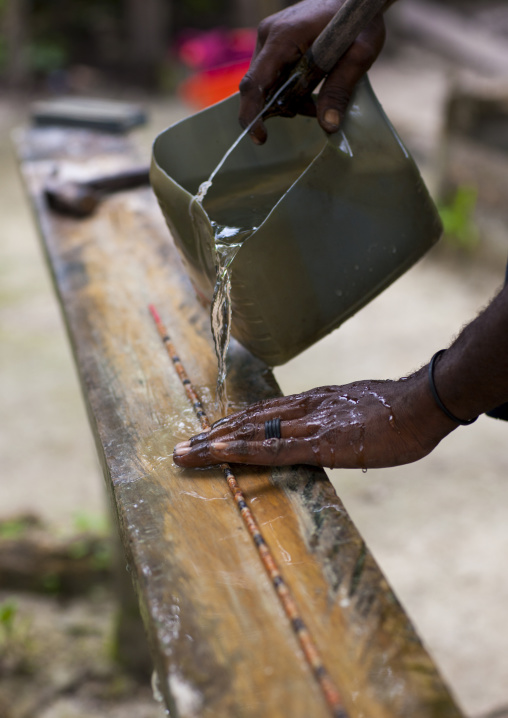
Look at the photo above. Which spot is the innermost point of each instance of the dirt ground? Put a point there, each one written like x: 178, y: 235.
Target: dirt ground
x: 438, y: 528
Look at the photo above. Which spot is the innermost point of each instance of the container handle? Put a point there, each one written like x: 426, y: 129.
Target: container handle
x: 326, y: 50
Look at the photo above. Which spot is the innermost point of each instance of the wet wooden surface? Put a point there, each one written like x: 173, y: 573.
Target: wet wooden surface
x: 220, y: 641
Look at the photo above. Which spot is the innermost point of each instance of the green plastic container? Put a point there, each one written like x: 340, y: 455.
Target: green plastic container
x: 326, y: 223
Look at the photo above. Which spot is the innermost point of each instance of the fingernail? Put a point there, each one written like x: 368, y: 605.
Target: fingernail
x: 182, y: 445
x: 255, y: 139
x: 332, y: 118
x: 218, y: 445
x: 180, y: 450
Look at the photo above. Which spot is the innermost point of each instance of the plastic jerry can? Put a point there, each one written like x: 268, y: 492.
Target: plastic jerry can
x: 324, y: 223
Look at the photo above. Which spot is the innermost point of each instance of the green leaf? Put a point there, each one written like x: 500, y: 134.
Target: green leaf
x: 8, y: 611
x: 457, y: 216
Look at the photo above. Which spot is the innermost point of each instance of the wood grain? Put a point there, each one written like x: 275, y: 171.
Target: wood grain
x: 220, y: 641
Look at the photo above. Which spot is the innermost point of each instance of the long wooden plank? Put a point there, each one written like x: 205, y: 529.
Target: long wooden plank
x: 220, y: 641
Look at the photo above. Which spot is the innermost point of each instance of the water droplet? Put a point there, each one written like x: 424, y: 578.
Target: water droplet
x: 156, y: 688
x: 364, y: 470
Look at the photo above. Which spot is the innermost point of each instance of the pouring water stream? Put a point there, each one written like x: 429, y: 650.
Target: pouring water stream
x: 227, y: 242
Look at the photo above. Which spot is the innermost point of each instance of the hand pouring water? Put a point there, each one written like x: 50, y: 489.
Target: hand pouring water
x: 321, y: 224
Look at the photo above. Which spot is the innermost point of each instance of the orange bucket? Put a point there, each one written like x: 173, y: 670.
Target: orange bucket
x: 207, y: 87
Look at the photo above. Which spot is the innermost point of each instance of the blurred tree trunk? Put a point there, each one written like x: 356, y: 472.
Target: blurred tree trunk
x: 15, y: 31
x: 147, y: 35
x: 248, y: 13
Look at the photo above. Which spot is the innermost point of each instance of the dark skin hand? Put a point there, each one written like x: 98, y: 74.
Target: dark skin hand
x: 369, y: 424
x: 282, y: 40
x: 361, y: 425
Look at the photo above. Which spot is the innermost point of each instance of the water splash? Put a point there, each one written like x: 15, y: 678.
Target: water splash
x: 156, y: 689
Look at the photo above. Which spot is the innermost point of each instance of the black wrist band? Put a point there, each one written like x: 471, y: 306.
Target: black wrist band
x: 436, y: 395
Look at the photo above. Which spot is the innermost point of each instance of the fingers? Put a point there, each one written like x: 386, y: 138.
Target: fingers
x: 313, y: 450
x: 269, y: 452
x: 339, y: 85
x: 247, y: 429
x: 266, y: 70
x: 362, y: 425
x: 250, y: 423
x: 198, y: 455
x: 301, y: 442
x: 281, y: 44
x: 297, y: 414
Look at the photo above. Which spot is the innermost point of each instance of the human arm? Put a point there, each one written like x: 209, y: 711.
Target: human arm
x: 283, y: 38
x: 369, y: 424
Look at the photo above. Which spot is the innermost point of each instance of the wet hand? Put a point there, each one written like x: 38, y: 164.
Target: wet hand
x: 362, y: 425
x: 283, y: 38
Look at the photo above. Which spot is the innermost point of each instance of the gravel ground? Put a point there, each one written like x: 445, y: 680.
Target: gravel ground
x: 438, y: 528
x: 57, y: 662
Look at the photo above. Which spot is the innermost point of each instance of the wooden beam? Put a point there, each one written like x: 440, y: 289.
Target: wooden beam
x: 220, y: 642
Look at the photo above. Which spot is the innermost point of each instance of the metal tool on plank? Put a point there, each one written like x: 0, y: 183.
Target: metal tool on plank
x: 80, y: 199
